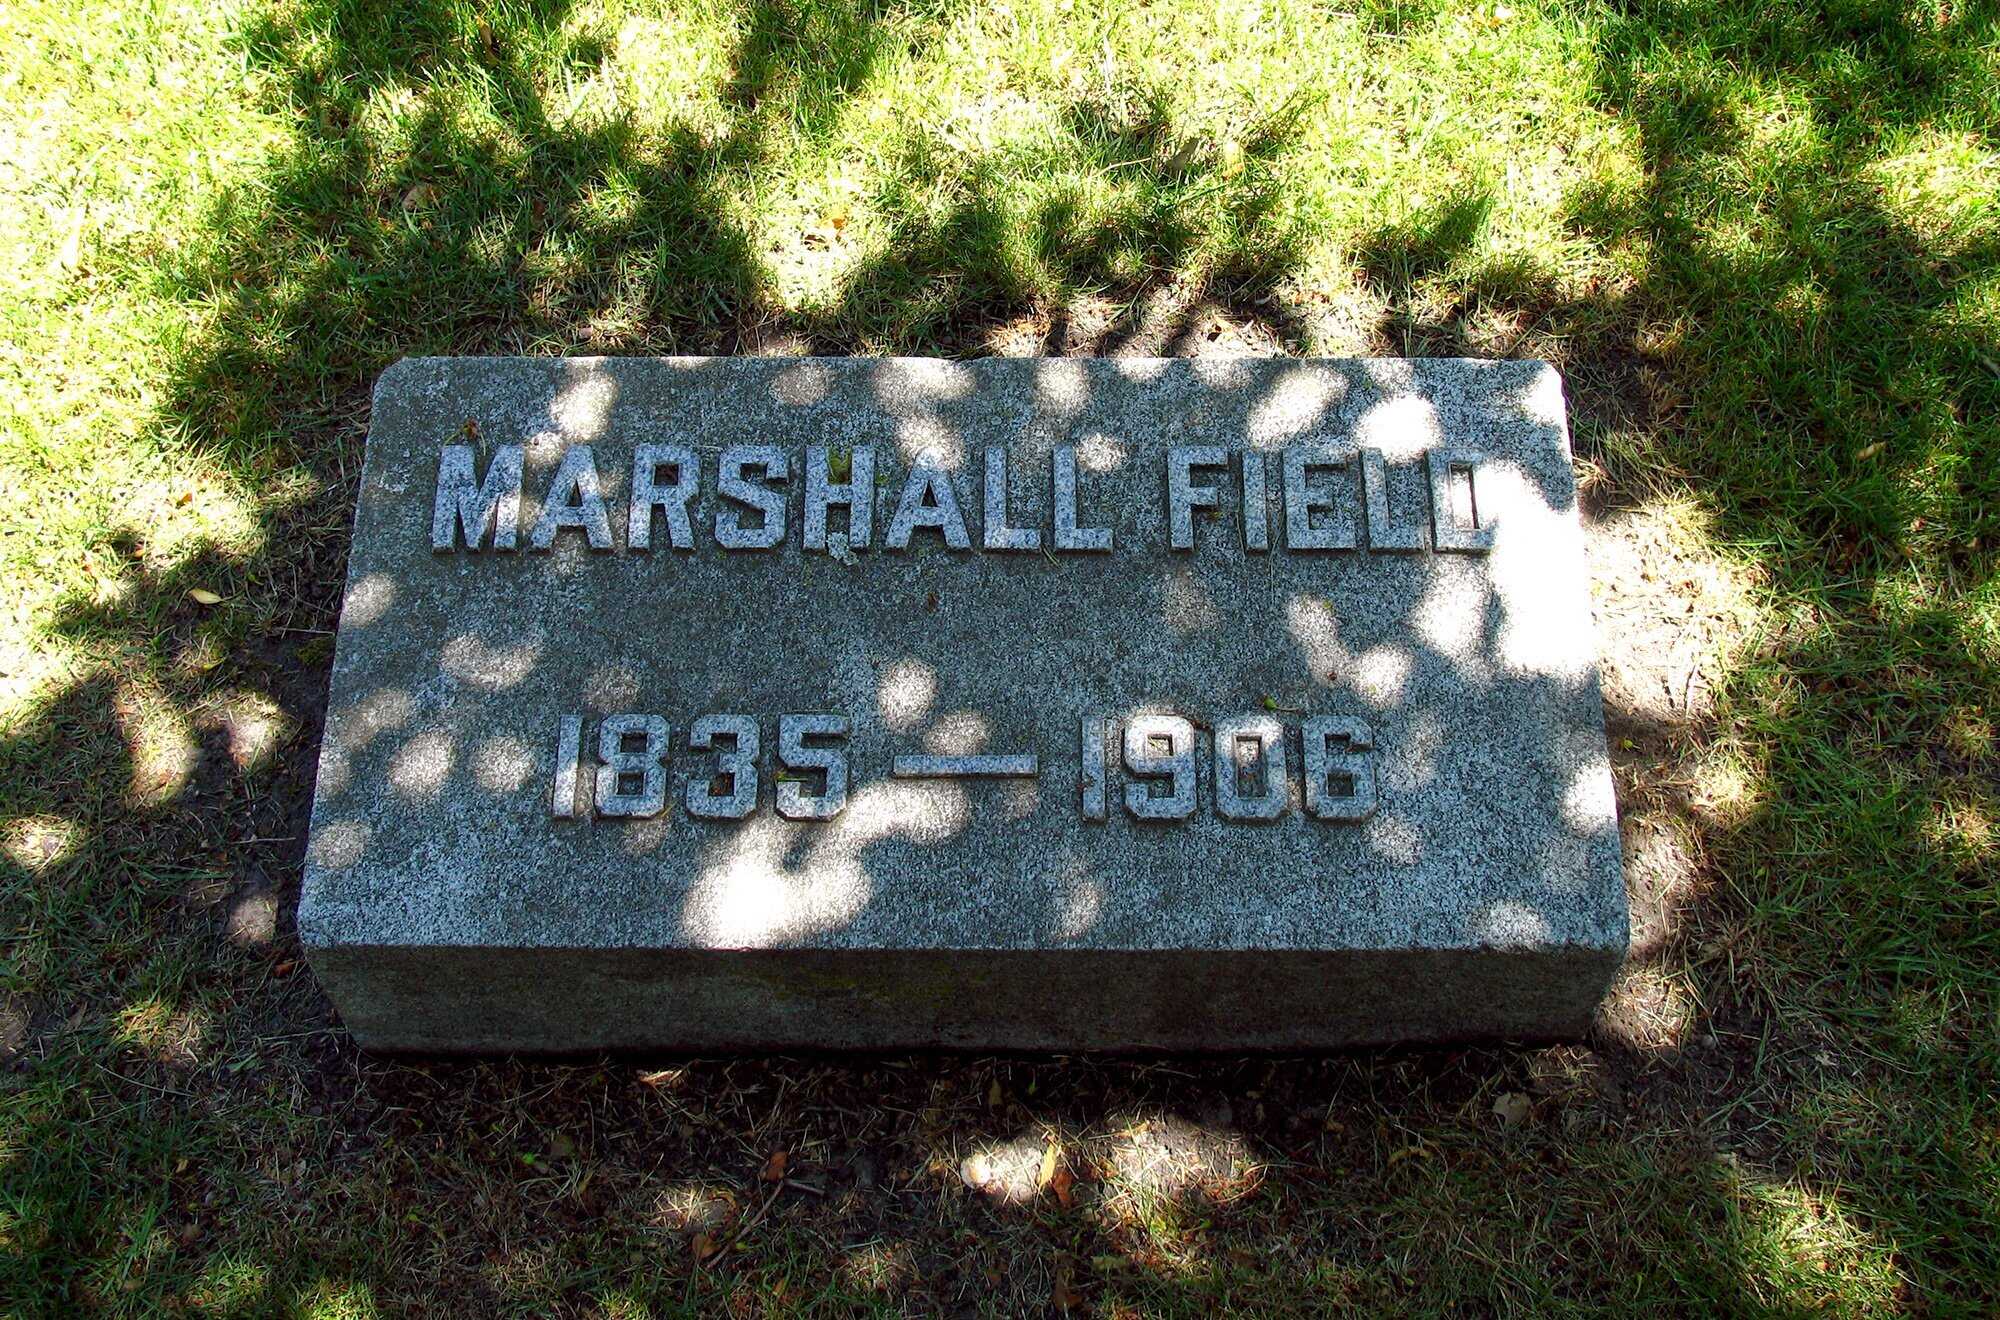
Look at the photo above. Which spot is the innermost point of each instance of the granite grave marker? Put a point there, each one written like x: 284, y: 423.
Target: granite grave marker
x: 1048, y: 704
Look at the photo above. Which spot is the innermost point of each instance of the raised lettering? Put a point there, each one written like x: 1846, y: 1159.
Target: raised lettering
x: 928, y: 501
x: 569, y: 749
x: 670, y: 498
x: 632, y: 779
x: 1160, y: 747
x: 1384, y: 534
x: 1091, y: 767
x: 1340, y: 780
x: 996, y: 534
x: 1251, y: 748
x: 575, y: 499
x: 1183, y: 496
x: 735, y: 485
x: 480, y: 508
x: 854, y: 491
x: 1302, y: 501
x: 1447, y: 533
x: 985, y: 765
x: 737, y: 763
x: 1256, y: 503
x: 1068, y: 535
x: 795, y: 753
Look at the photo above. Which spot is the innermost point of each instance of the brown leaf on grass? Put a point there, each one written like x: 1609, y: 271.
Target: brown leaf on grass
x: 704, y: 1245
x: 1064, y: 1294
x: 203, y: 596
x: 1416, y: 1151
x: 774, y: 1168
x: 1868, y: 451
x: 1063, y: 1184
x: 419, y: 196
x: 1512, y: 1108
x: 1050, y: 1155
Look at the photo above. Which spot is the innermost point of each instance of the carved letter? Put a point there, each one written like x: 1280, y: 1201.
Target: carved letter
x: 996, y: 534
x: 1183, y: 496
x: 494, y: 503
x: 575, y: 499
x: 1256, y: 503
x: 1383, y: 534
x: 671, y: 499
x: 1446, y: 533
x: 941, y: 510
x: 771, y: 462
x: 856, y: 493
x: 1069, y: 536
x: 1301, y: 501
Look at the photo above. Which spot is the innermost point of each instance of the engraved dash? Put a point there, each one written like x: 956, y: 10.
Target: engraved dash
x: 1020, y: 765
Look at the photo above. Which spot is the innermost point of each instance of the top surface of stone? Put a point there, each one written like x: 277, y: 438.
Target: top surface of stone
x: 1462, y: 682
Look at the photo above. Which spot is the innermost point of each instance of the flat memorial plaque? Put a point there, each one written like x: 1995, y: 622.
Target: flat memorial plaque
x: 1045, y: 704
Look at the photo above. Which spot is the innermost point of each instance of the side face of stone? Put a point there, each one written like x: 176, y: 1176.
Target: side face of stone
x: 705, y: 703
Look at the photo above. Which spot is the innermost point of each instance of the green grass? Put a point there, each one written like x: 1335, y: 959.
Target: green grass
x: 1763, y: 241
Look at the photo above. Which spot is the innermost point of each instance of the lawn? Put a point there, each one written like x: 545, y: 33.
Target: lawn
x: 1762, y: 240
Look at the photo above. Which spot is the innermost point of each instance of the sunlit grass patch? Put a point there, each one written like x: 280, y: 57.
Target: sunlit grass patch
x: 165, y: 1031
x: 1810, y: 1252
x: 103, y: 182
x: 33, y: 842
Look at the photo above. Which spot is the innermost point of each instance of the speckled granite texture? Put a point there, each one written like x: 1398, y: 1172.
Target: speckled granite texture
x: 447, y: 909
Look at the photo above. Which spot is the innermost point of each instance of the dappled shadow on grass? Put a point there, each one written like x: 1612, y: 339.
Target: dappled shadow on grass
x: 192, y: 1125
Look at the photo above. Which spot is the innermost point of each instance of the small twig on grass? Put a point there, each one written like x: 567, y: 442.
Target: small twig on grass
x: 748, y: 1224
x: 118, y: 1076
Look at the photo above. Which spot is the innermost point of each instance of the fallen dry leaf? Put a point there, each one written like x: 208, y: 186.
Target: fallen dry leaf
x: 774, y: 1168
x: 1511, y: 1108
x: 1048, y: 1170
x: 203, y: 596
x: 1868, y: 451
x: 704, y: 1245
x: 1064, y: 1294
